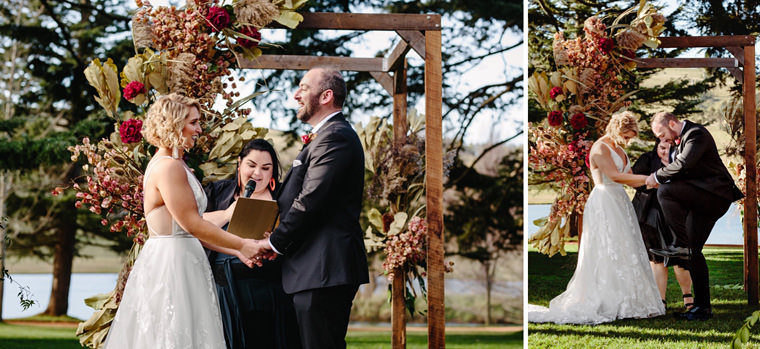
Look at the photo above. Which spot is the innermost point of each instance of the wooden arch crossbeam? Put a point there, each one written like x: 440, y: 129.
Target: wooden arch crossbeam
x: 742, y: 67
x: 422, y: 34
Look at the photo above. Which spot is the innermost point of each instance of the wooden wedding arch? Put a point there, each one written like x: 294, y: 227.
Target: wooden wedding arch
x: 742, y: 67
x: 421, y: 33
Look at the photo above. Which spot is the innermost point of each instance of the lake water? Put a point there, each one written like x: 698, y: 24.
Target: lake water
x: 86, y: 285
x: 727, y: 231
x: 82, y: 286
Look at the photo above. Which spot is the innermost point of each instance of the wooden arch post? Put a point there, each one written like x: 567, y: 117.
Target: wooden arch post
x: 421, y: 33
x: 742, y: 67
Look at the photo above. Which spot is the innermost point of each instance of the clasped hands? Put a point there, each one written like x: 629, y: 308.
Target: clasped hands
x: 651, y: 182
x: 254, y: 252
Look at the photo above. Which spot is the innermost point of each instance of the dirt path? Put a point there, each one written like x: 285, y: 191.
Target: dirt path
x: 42, y: 323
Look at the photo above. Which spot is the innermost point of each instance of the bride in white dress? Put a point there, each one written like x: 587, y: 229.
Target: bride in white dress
x: 612, y: 279
x: 170, y: 300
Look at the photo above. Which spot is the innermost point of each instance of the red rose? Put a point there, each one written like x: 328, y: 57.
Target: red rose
x: 554, y: 118
x: 133, y: 89
x: 578, y: 121
x: 588, y: 163
x: 629, y: 54
x: 129, y: 131
x: 555, y: 91
x: 306, y: 139
x: 250, y: 32
x: 606, y: 45
x: 218, y: 17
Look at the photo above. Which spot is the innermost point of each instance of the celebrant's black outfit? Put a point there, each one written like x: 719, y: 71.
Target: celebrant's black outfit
x: 654, y: 230
x: 256, y: 312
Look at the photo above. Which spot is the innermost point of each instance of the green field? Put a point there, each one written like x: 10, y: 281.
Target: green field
x: 27, y: 336
x: 547, y: 277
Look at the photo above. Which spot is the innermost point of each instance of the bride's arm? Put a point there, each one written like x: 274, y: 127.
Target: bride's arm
x: 220, y: 217
x: 601, y: 157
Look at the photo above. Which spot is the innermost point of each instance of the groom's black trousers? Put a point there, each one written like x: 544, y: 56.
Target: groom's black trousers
x: 692, y: 212
x: 323, y: 314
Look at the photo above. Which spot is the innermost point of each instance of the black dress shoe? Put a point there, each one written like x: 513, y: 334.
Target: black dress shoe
x: 694, y: 314
x: 671, y: 251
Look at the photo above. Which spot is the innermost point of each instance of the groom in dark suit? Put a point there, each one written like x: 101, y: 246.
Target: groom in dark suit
x: 695, y: 190
x: 319, y: 236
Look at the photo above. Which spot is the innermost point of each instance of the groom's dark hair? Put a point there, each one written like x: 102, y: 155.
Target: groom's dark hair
x: 332, y: 79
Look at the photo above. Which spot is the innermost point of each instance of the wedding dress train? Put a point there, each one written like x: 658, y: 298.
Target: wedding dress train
x: 170, y: 298
x: 613, y: 279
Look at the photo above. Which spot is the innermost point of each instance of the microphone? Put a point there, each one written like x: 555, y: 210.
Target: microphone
x: 249, y: 188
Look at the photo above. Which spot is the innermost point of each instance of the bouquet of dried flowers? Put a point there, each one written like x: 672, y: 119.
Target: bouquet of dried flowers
x: 189, y: 50
x: 588, y: 86
x: 395, y: 186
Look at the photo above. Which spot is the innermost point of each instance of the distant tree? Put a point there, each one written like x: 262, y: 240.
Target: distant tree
x: 486, y: 217
x: 52, y: 108
x: 475, y: 32
x: 732, y: 17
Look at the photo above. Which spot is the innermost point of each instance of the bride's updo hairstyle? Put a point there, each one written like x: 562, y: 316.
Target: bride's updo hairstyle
x: 166, y: 118
x: 621, y: 123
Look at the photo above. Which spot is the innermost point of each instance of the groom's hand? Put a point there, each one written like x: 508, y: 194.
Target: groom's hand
x: 651, y: 182
x: 253, y: 251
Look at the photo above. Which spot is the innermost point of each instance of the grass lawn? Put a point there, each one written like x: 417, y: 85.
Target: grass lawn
x: 548, y: 277
x: 27, y: 336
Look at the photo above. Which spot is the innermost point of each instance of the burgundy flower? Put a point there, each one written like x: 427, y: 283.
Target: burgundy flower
x: 578, y: 121
x: 129, y: 131
x: 606, y: 45
x: 555, y: 91
x: 250, y: 32
x: 555, y: 118
x: 218, y: 17
x: 306, y: 139
x: 629, y: 54
x: 133, y: 89
x: 573, y: 147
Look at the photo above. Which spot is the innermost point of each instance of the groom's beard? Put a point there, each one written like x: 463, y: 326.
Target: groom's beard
x: 306, y: 112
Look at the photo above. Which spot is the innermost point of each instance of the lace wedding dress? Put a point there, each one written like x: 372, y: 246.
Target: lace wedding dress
x: 613, y: 279
x: 170, y: 299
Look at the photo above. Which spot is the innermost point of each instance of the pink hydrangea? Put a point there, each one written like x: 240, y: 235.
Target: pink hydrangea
x: 134, y: 89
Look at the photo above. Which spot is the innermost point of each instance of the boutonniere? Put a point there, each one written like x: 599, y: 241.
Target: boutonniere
x: 306, y: 139
x: 677, y: 141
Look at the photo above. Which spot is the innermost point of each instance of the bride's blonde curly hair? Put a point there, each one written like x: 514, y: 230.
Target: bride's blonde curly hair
x: 620, y: 123
x: 165, y: 120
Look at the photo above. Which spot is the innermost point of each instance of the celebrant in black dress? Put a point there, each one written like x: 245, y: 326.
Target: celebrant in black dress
x: 256, y: 312
x: 654, y: 230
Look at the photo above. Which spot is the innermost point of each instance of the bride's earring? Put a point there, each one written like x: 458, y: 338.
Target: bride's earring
x: 175, y: 152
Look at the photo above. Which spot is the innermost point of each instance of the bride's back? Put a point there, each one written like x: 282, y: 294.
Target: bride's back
x: 157, y: 215
x: 610, y: 155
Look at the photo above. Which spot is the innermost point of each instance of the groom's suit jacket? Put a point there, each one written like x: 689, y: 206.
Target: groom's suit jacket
x: 698, y: 163
x: 320, y: 202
